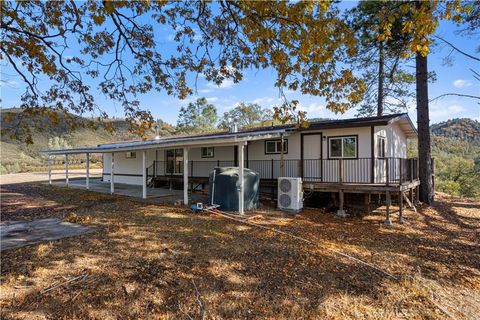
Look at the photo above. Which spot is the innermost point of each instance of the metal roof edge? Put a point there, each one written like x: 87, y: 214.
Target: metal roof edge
x: 240, y: 136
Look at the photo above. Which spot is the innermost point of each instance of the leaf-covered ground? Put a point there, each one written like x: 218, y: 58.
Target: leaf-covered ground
x: 147, y: 260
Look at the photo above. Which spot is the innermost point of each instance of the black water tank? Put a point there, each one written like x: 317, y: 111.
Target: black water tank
x: 224, y: 184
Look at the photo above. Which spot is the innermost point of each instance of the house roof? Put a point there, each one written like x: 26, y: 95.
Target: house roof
x: 248, y: 134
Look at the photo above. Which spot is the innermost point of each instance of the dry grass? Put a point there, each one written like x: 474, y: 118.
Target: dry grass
x: 152, y: 261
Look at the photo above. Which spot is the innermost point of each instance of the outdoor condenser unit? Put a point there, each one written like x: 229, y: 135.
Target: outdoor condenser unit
x: 290, y: 194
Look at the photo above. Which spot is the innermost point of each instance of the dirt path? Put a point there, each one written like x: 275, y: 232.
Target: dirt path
x: 43, y: 176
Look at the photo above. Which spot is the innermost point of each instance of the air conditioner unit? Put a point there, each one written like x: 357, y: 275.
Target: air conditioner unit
x: 290, y: 194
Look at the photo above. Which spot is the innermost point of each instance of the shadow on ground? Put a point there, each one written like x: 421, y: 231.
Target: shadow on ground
x: 147, y: 260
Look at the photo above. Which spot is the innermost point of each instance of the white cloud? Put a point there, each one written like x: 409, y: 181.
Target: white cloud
x: 462, y: 83
x: 212, y: 99
x: 313, y: 110
x: 227, y: 83
x: 9, y: 82
x: 264, y: 101
x: 205, y: 90
x: 441, y: 111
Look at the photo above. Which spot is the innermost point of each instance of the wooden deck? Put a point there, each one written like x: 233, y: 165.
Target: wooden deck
x: 310, y: 185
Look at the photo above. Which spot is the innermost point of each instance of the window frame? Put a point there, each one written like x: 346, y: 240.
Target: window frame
x: 355, y: 136
x: 276, y: 141
x: 130, y: 155
x: 381, y: 148
x: 207, y: 156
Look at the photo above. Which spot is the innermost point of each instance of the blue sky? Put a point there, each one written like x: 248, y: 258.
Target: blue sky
x: 258, y: 86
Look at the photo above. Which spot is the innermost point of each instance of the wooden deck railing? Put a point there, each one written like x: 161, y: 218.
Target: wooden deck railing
x: 384, y: 171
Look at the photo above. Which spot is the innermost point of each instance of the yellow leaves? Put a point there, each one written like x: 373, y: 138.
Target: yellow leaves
x: 407, y: 27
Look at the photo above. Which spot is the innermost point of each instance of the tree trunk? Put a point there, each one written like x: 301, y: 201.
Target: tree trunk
x: 423, y: 119
x: 381, y: 79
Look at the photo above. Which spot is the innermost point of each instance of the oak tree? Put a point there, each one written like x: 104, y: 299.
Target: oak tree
x: 245, y: 115
x: 65, y: 52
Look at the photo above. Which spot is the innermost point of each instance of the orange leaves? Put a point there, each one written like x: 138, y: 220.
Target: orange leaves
x: 98, y: 19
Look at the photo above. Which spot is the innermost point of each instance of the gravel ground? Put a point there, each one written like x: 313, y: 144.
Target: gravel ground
x: 43, y: 176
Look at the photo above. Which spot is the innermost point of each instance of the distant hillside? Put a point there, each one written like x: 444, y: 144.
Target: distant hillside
x: 464, y: 129
x: 18, y: 156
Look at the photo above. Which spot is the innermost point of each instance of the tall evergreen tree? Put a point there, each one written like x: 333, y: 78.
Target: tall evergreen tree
x: 379, y: 58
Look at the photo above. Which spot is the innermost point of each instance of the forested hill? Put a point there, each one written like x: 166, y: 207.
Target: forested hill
x: 464, y: 129
x: 456, y: 149
x: 18, y: 156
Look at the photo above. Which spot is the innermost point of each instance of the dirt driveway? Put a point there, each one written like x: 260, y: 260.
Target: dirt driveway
x: 150, y: 261
x: 43, y: 176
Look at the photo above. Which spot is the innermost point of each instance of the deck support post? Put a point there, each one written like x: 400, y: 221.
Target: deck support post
x: 87, y: 169
x: 388, y: 200
x: 66, y: 170
x: 410, y: 195
x: 368, y: 199
x: 112, y: 168
x: 241, y: 189
x: 341, y: 211
x: 185, y: 176
x: 144, y: 174
x: 49, y: 170
x: 417, y: 190
x: 400, y: 207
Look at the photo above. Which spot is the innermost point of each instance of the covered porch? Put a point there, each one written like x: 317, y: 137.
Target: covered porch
x: 97, y: 185
x: 239, y: 141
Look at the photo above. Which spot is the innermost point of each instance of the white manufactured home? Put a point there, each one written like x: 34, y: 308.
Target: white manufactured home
x: 361, y: 155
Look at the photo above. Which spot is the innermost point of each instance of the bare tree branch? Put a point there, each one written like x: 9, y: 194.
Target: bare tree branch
x: 458, y: 50
x: 455, y: 94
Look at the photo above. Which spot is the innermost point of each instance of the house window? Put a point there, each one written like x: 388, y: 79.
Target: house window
x: 381, y: 147
x: 275, y: 146
x: 207, y: 152
x: 174, y: 162
x: 131, y: 155
x: 342, y: 147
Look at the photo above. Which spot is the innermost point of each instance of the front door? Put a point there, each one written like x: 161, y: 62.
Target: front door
x: 312, y: 155
x: 174, y: 161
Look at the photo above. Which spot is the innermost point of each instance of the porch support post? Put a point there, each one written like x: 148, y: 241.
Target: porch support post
x: 387, y: 221
x: 372, y: 154
x: 144, y: 174
x: 185, y: 176
x: 112, y: 168
x: 241, y: 190
x: 66, y: 169
x: 87, y: 181
x: 50, y: 170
